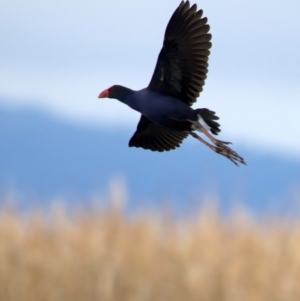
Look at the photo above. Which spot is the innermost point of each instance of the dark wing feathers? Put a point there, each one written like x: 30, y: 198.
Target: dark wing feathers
x: 180, y: 72
x: 181, y: 66
x: 150, y: 135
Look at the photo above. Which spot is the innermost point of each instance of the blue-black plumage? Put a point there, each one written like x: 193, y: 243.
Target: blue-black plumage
x: 179, y: 76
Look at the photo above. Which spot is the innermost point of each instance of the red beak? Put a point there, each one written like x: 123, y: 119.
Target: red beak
x: 103, y: 94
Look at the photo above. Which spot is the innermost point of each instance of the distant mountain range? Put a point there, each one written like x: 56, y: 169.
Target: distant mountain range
x: 43, y: 157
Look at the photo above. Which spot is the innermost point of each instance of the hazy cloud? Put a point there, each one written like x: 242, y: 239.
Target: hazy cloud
x: 61, y: 54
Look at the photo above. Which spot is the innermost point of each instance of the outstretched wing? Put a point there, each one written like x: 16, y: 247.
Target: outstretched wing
x: 181, y: 66
x: 150, y: 135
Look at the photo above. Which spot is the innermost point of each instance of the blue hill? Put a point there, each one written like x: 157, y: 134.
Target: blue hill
x: 42, y: 157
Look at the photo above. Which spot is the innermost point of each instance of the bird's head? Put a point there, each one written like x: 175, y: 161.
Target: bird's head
x: 116, y: 91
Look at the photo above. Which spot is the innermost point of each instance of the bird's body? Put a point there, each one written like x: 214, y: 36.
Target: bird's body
x: 149, y: 103
x: 179, y: 76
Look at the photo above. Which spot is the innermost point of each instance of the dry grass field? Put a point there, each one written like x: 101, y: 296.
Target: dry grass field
x: 104, y: 255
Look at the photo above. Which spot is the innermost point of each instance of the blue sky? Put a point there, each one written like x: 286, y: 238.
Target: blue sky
x: 58, y: 56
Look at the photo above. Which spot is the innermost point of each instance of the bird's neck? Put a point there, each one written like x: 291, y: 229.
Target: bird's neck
x: 122, y: 93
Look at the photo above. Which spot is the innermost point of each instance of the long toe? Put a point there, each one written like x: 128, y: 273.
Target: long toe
x: 221, y: 148
x: 229, y: 153
x: 221, y: 144
x: 224, y: 142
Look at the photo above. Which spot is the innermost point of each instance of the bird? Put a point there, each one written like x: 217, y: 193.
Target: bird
x: 167, y: 117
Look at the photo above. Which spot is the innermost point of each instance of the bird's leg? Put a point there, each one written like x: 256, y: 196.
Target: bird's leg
x: 212, y: 147
x: 221, y: 149
x: 221, y: 144
x: 214, y: 140
x: 217, y: 149
x: 206, y: 133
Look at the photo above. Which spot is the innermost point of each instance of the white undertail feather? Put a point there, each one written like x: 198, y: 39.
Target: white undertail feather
x: 200, y: 124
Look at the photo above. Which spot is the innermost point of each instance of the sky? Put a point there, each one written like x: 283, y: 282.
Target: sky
x: 58, y: 55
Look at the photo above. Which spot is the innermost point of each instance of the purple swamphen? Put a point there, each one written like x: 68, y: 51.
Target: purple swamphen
x: 179, y: 76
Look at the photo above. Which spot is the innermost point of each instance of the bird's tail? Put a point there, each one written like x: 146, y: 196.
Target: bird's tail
x: 209, y: 118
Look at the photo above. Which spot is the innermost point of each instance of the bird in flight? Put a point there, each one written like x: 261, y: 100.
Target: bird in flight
x: 179, y: 76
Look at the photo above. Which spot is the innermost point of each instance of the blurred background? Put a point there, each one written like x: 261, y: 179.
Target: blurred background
x: 60, y: 144
x: 59, y: 140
